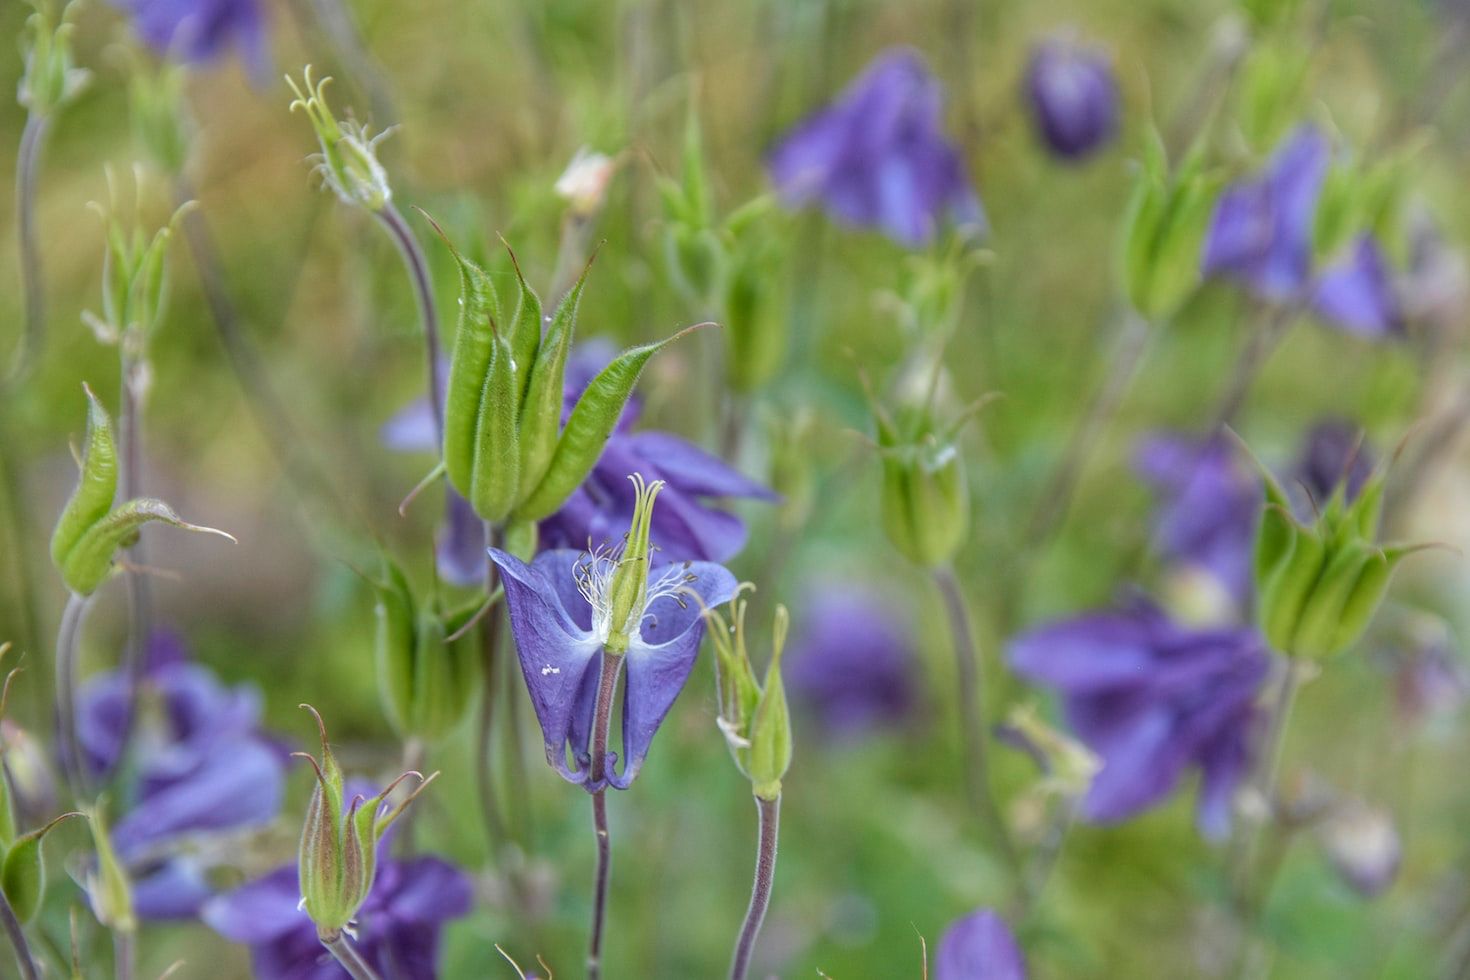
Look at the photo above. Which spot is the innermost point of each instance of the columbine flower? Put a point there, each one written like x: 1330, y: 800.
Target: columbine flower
x: 205, y: 774
x: 878, y: 156
x: 1073, y: 97
x: 1261, y: 234
x: 979, y: 947
x: 201, y: 30
x: 684, y: 525
x: 852, y: 661
x: 1152, y: 698
x: 1208, y: 499
x: 568, y: 607
x: 397, y: 926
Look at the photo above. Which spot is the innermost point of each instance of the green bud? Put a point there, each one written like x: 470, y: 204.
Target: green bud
x: 426, y: 680
x: 108, y: 887
x: 7, y: 805
x: 754, y: 718
x: 23, y: 874
x: 587, y: 430
x: 50, y: 80
x: 134, y: 280
x: 1268, y: 88
x: 628, y: 590
x: 469, y: 368
x: 1320, y: 584
x: 161, y: 123
x: 925, y: 500
x: 348, y: 162
x: 1163, y: 229
x: 90, y: 532
x: 755, y: 326
x: 339, y: 842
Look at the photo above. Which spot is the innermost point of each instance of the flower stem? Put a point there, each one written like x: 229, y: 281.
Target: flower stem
x: 123, y: 954
x: 345, y: 954
x: 1263, y: 341
x: 418, y: 272
x: 32, y: 138
x: 490, y: 634
x: 67, y: 638
x: 17, y: 936
x: 612, y: 664
x: 760, y: 893
x: 972, y: 725
x: 139, y: 595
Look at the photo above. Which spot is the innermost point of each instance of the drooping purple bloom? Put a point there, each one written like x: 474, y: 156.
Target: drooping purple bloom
x: 559, y: 617
x: 398, y: 925
x: 979, y: 947
x: 204, y: 771
x: 685, y: 525
x: 1334, y: 454
x: 200, y: 31
x: 1261, y: 234
x: 877, y: 157
x: 852, y: 662
x: 1208, y: 503
x: 1152, y: 698
x: 1073, y: 98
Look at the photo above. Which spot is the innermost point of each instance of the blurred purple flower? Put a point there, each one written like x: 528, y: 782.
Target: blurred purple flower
x: 852, y: 661
x: 1261, y: 235
x: 1363, y: 846
x: 397, y: 927
x: 877, y: 157
x: 1152, y: 698
x: 203, y: 769
x: 1208, y: 503
x: 1073, y: 97
x: 200, y: 31
x: 1334, y: 453
x: 559, y: 638
x: 979, y: 947
x: 685, y: 527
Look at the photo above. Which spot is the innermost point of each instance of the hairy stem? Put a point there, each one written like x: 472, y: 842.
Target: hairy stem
x: 418, y: 272
x: 33, y: 285
x: 67, y: 639
x: 140, y: 604
x: 27, y: 963
x: 347, y: 955
x: 760, y: 893
x: 612, y: 664
x: 972, y: 724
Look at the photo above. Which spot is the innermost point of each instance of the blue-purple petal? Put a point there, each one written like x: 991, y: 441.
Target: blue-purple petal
x: 979, y: 947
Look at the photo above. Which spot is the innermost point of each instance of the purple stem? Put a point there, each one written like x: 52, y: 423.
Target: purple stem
x: 67, y: 638
x: 344, y: 952
x: 612, y: 664
x: 32, y: 139
x: 760, y: 893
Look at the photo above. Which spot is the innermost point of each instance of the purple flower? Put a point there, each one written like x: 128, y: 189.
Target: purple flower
x: 204, y: 770
x: 1334, y: 453
x: 1363, y: 846
x: 1261, y: 235
x: 560, y: 615
x: 397, y: 927
x: 878, y: 157
x: 685, y: 526
x: 1208, y: 503
x: 200, y: 30
x: 979, y: 947
x: 852, y: 661
x: 1152, y: 698
x: 1073, y: 98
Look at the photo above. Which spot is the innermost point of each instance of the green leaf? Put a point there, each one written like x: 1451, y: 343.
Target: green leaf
x: 97, y: 487
x: 23, y: 875
x: 90, y: 562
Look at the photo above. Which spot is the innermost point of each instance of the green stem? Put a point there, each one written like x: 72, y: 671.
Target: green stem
x: 17, y: 936
x: 67, y: 639
x: 33, y: 286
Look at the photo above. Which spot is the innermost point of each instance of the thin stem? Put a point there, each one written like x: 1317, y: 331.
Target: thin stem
x: 27, y: 963
x: 490, y: 634
x: 123, y: 954
x: 140, y: 605
x: 414, y: 753
x: 33, y: 286
x: 1253, y: 357
x: 760, y: 893
x: 347, y: 955
x: 418, y: 272
x: 612, y: 664
x: 1121, y: 370
x: 972, y: 726
x: 67, y: 638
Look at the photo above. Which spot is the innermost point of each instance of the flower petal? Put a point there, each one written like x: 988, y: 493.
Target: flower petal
x: 979, y: 947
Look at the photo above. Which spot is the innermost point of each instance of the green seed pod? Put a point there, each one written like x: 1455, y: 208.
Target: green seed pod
x: 495, y: 478
x: 925, y: 502
x: 1362, y: 603
x: 770, y: 726
x: 755, y: 330
x: 23, y: 874
x: 95, y: 492
x: 587, y: 430
x: 1163, y: 228
x: 1321, y: 614
x: 426, y: 682
x: 541, y: 409
x: 469, y: 368
x: 754, y: 718
x: 1285, y: 594
x: 525, y: 331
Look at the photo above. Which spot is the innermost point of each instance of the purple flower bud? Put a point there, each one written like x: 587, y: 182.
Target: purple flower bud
x: 979, y: 947
x: 1357, y: 292
x: 1152, y: 698
x: 852, y: 662
x: 201, y: 30
x: 878, y: 157
x: 1073, y: 98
